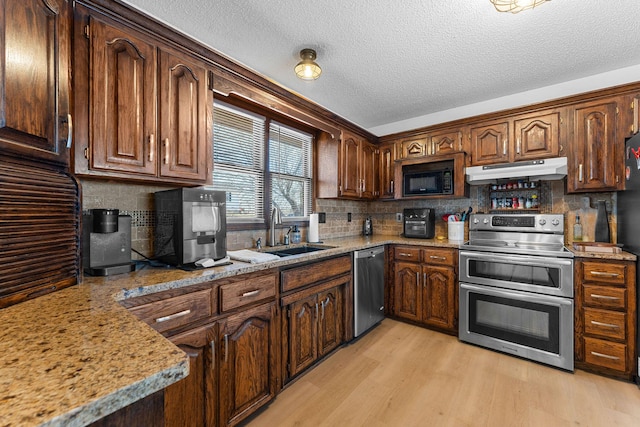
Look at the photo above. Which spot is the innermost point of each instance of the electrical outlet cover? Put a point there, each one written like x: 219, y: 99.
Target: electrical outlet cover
x: 399, y: 217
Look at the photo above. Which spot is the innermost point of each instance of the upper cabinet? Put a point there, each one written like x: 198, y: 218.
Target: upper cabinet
x: 356, y: 175
x: 387, y: 170
x: 35, y: 41
x: 446, y: 141
x: 523, y: 137
x: 147, y: 107
x: 595, y: 162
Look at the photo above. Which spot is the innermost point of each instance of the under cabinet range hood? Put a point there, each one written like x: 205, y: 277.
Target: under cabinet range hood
x: 544, y: 169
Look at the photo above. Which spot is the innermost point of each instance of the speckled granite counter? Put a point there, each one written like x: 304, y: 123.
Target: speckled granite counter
x: 74, y: 356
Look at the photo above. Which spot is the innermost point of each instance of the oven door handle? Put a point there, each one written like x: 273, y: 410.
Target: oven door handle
x: 522, y: 296
x: 519, y: 259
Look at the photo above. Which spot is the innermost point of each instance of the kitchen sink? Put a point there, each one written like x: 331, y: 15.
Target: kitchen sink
x: 297, y: 250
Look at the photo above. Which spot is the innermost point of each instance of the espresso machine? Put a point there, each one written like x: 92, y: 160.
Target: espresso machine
x: 106, y: 242
x: 191, y: 227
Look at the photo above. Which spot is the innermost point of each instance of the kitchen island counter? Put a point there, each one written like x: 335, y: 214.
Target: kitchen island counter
x: 76, y: 355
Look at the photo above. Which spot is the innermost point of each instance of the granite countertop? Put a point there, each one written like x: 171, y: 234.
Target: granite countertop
x: 74, y: 356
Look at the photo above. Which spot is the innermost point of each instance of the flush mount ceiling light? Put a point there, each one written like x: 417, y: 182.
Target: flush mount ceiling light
x: 307, y: 69
x: 515, y: 6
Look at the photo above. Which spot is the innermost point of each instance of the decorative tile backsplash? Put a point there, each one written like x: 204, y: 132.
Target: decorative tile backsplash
x: 137, y: 200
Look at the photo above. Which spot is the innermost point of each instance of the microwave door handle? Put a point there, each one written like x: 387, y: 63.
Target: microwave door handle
x: 520, y: 259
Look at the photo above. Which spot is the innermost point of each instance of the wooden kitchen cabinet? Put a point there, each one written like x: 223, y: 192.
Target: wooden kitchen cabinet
x: 425, y: 286
x: 35, y: 115
x: 415, y: 146
x: 358, y: 167
x: 316, y: 302
x: 605, y: 317
x: 387, y: 170
x: 144, y: 108
x: 192, y: 401
x: 595, y: 161
x: 512, y: 139
x: 446, y: 141
x: 248, y: 362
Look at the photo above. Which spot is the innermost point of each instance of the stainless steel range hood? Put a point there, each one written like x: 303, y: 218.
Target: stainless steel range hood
x: 546, y: 169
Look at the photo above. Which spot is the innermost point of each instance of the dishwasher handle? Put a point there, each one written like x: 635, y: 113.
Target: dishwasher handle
x: 369, y: 253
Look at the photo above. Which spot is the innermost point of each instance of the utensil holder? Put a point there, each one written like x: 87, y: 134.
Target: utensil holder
x: 456, y: 231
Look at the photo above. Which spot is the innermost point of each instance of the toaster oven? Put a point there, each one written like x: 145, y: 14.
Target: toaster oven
x: 419, y: 223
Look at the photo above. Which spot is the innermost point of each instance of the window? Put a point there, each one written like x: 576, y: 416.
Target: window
x: 248, y: 162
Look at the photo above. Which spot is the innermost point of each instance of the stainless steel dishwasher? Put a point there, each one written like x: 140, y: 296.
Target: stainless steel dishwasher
x: 368, y: 295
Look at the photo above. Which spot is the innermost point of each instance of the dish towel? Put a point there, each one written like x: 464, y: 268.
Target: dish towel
x: 246, y: 255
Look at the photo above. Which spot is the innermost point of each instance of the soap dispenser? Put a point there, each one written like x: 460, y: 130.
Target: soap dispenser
x: 296, y: 235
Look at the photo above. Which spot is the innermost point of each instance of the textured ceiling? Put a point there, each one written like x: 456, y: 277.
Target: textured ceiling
x: 393, y: 66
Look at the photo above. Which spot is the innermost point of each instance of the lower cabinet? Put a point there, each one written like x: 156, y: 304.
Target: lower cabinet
x: 605, y: 317
x: 248, y: 362
x: 424, y: 286
x: 315, y: 325
x: 192, y: 400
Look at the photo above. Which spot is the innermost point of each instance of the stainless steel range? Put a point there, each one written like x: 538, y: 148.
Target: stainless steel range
x: 516, y: 287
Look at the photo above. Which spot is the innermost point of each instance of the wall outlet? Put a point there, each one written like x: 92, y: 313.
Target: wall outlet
x: 399, y: 216
x: 349, y: 217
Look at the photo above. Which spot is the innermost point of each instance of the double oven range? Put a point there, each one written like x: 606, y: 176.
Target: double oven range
x: 516, y: 287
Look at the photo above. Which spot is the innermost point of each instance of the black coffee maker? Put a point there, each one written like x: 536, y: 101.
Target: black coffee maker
x: 106, y: 243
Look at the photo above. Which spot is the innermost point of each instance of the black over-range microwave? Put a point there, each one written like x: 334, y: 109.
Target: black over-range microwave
x: 423, y: 182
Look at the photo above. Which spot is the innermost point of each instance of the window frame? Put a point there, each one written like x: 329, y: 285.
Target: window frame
x: 270, y: 116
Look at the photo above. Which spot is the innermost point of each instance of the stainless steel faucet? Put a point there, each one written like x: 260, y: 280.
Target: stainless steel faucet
x: 276, y: 219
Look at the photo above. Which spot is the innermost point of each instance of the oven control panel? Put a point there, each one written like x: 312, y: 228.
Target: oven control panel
x: 539, y: 223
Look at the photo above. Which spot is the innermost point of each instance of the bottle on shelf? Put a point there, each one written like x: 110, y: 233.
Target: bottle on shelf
x: 577, y: 229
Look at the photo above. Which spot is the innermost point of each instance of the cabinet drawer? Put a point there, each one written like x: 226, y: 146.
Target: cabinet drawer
x: 606, y: 354
x: 234, y: 295
x: 607, y: 324
x: 298, y: 277
x: 604, y: 272
x: 604, y: 297
x: 177, y: 311
x: 406, y: 253
x: 439, y: 256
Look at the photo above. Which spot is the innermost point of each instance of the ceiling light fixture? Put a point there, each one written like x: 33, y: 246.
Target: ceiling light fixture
x: 515, y: 6
x: 307, y: 69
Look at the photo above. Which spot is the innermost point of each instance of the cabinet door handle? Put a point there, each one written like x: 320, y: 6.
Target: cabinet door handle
x: 424, y: 280
x: 166, y: 151
x: 403, y: 254
x: 324, y: 304
x: 606, y: 356
x: 69, y: 130
x: 302, y: 312
x: 392, y: 185
x: 504, y: 147
x: 518, y: 146
x: 316, y: 310
x: 417, y: 278
x: 580, y: 172
x: 607, y: 325
x: 251, y: 293
x: 226, y: 347
x: 152, y: 146
x: 441, y: 258
x: 561, y: 149
x: 172, y: 316
x: 607, y: 297
x: 604, y: 274
x: 213, y: 354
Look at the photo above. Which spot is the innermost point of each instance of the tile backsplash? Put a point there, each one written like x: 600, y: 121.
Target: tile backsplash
x: 137, y: 200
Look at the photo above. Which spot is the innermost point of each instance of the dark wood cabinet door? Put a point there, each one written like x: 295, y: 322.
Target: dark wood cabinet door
x: 445, y: 142
x: 183, y: 117
x: 490, y: 143
x: 330, y: 321
x: 387, y: 171
x: 35, y: 60
x: 407, y: 291
x: 537, y: 137
x: 438, y: 297
x: 594, y: 163
x: 368, y: 171
x: 192, y: 400
x: 247, y: 363
x: 122, y: 101
x: 303, y: 334
x: 349, y: 166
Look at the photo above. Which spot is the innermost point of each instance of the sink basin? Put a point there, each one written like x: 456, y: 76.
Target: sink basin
x: 297, y: 250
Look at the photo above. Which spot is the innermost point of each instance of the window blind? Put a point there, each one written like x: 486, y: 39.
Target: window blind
x: 238, y: 157
x: 290, y: 170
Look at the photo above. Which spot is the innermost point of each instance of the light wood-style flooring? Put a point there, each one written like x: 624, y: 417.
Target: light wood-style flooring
x: 403, y: 375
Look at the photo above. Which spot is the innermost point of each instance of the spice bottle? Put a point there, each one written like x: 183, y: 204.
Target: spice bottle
x: 577, y: 229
